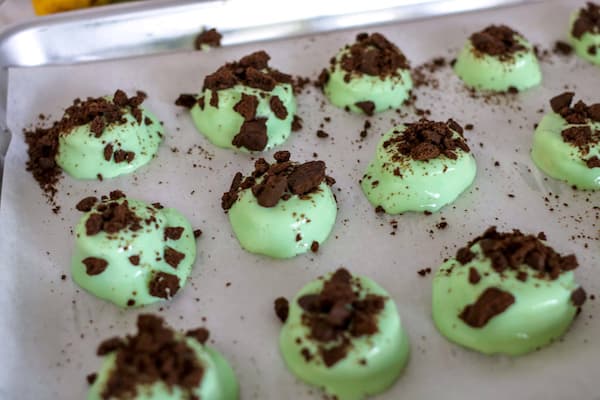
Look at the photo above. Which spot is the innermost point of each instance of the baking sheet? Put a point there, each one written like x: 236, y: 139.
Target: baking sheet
x: 50, y: 328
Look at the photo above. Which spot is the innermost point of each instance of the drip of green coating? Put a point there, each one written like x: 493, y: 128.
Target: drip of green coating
x: 136, y: 261
x: 218, y: 381
x: 84, y: 156
x: 482, y: 71
x: 561, y: 160
x: 220, y: 123
x: 287, y: 229
x: 541, y: 313
x: 372, y: 364
x: 414, y: 185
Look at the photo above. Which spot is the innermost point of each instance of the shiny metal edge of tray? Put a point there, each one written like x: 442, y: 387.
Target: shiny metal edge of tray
x: 138, y: 29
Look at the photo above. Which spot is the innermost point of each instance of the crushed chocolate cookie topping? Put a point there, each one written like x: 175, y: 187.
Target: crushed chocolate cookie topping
x: 186, y: 100
x: 338, y: 313
x: 578, y: 297
x: 173, y: 257
x: 154, y: 354
x: 282, y: 308
x: 246, y: 107
x: 98, y: 112
x: 371, y: 55
x: 509, y: 251
x: 498, y: 41
x: 490, y: 303
x: 173, y: 233
x: 296, y: 123
x: 425, y: 140
x: 134, y: 260
x: 580, y: 136
x: 588, y: 20
x: 200, y: 334
x: 252, y: 70
x: 94, y: 265
x: 86, y: 204
x: 474, y: 276
x: 111, y: 217
x: 164, y: 285
x: 211, y: 38
x: 278, y: 108
x: 252, y: 135
x: 279, y: 180
x: 368, y: 107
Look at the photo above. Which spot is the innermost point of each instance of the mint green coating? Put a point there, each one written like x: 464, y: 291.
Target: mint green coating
x: 218, y: 382
x: 388, y: 93
x: 423, y: 185
x: 561, y: 160
x: 221, y: 124
x: 587, y: 40
x: 486, y: 72
x: 81, y: 154
x: 121, y: 279
x: 386, y: 352
x: 541, y: 313
x: 272, y: 231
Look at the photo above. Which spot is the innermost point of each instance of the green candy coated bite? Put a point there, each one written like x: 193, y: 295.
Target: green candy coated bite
x: 372, y: 362
x: 287, y: 229
x: 133, y: 266
x: 538, y: 312
x: 221, y: 123
x: 370, y: 76
x: 483, y: 71
x: 561, y: 160
x: 585, y: 37
x: 385, y: 94
x: 399, y: 183
x: 84, y: 156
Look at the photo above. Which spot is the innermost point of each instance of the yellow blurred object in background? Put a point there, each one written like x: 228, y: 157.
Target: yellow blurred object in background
x: 43, y: 7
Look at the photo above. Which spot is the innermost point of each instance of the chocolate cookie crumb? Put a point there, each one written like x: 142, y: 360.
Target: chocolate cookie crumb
x: 186, y: 100
x: 490, y: 303
x: 322, y: 134
x: 173, y: 257
x: 91, y: 378
x: 282, y: 308
x: 94, y: 265
x: 247, y: 106
x: 578, y: 297
x: 278, y: 108
x: 134, y: 260
x: 164, y: 285
x: 474, y: 276
x: 588, y: 20
x: 314, y: 246
x: 200, y: 334
x: 86, y: 204
x: 211, y: 38
x: 173, y: 233
x: 368, y: 107
x: 296, y: 123
x: 197, y: 233
x: 562, y: 48
x: 252, y: 135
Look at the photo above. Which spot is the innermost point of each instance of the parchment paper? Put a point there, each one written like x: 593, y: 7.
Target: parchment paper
x: 50, y: 328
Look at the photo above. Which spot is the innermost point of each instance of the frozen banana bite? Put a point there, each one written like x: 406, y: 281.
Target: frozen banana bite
x: 498, y: 59
x: 96, y: 138
x: 584, y: 32
x: 369, y: 76
x: 131, y: 253
x: 244, y: 105
x: 419, y: 167
x: 342, y: 333
x: 506, y: 292
x: 566, y: 143
x: 159, y: 363
x: 281, y: 209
